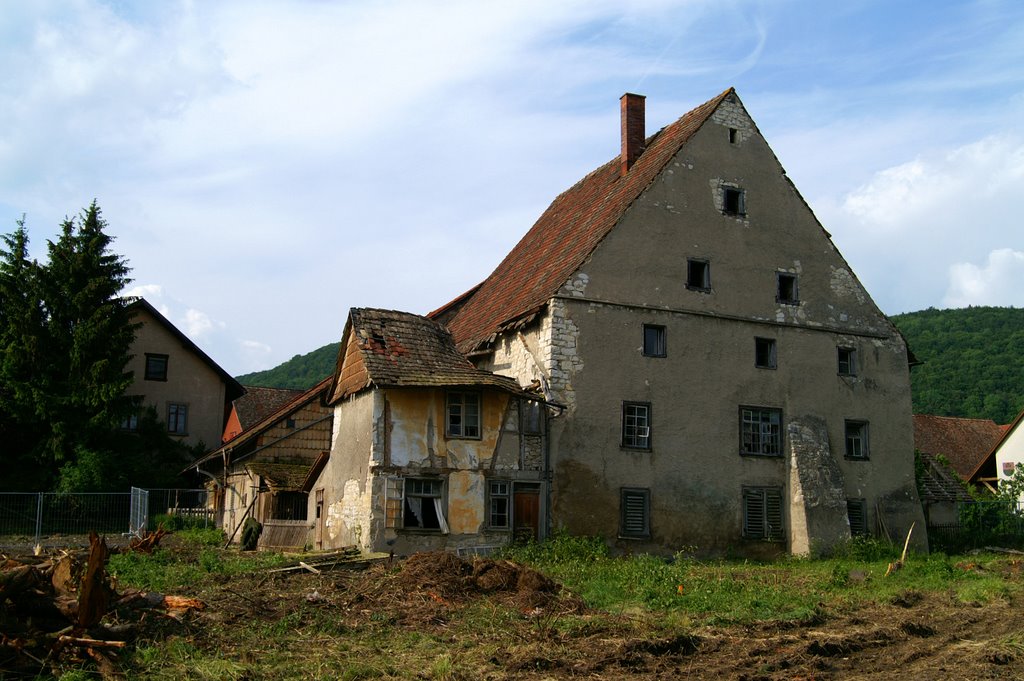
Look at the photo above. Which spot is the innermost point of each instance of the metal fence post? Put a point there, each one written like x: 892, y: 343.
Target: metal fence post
x: 39, y: 518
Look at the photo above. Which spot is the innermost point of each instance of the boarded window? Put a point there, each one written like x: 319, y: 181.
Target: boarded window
x: 762, y: 513
x: 635, y: 508
x: 856, y: 511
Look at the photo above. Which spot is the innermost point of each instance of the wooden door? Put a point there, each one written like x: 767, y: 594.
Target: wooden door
x: 526, y: 514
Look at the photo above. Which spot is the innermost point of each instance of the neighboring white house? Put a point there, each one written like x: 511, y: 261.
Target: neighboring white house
x: 1009, y: 451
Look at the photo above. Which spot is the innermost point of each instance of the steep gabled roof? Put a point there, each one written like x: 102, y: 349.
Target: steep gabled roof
x: 937, y: 483
x: 387, y: 348
x: 565, y: 236
x: 963, y: 442
x: 232, y: 387
x: 258, y: 402
x: 989, y: 462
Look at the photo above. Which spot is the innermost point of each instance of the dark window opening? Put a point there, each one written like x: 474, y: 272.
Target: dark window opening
x: 764, y: 353
x: 654, y: 341
x: 847, y: 362
x: 733, y: 201
x: 531, y: 418
x: 156, y: 367
x: 635, y: 509
x: 698, y: 275
x: 787, y: 289
x: 762, y: 513
x: 636, y: 425
x: 856, y: 511
x: 760, y: 431
x: 289, y: 506
x: 289, y: 423
x: 856, y: 440
x: 732, y: 135
x: 177, y: 419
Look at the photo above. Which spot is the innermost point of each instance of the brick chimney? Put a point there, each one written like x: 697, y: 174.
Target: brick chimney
x: 632, y: 107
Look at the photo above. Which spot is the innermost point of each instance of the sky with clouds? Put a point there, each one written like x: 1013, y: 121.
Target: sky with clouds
x: 264, y: 166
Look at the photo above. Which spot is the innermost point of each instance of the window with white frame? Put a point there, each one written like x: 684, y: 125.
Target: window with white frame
x: 498, y: 494
x: 415, y: 504
x: 857, y: 439
x: 760, y: 431
x: 463, y: 414
x: 636, y: 425
x: 762, y: 513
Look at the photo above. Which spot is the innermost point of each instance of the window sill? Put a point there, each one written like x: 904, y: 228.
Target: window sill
x: 463, y: 437
x: 698, y: 289
x: 634, y: 537
x: 857, y: 458
x: 732, y: 214
x: 755, y: 455
x: 764, y: 366
x: 638, y: 450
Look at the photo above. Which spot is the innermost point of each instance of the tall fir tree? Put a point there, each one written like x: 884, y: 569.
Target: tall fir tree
x: 65, y: 342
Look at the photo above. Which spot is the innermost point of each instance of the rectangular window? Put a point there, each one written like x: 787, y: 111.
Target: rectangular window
x: 464, y: 415
x: 636, y: 425
x: 760, y: 431
x: 131, y: 422
x: 856, y: 439
x: 698, y: 275
x: 635, y: 510
x: 847, y: 362
x: 856, y: 511
x: 654, y: 341
x: 177, y: 419
x: 764, y: 353
x: 498, y: 496
x: 787, y: 289
x: 762, y: 513
x: 423, y: 507
x: 733, y: 201
x: 156, y: 367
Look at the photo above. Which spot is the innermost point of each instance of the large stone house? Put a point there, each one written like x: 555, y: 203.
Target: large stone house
x: 728, y: 383
x: 190, y: 393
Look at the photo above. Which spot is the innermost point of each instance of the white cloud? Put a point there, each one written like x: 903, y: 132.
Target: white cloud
x: 150, y: 292
x: 198, y: 324
x: 999, y: 282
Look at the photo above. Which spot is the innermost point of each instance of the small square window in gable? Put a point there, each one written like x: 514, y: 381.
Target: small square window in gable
x: 698, y: 275
x: 733, y: 201
x: 787, y: 291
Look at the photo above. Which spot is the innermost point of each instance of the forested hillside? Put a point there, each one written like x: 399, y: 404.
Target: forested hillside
x: 972, y: 362
x: 301, y: 371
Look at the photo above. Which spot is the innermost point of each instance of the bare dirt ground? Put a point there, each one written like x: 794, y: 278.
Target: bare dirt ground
x: 915, y: 636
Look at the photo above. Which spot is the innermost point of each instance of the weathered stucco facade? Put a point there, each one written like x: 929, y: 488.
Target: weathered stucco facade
x: 723, y: 370
x: 427, y: 452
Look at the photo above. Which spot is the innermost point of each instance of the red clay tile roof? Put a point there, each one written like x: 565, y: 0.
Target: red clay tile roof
x: 398, y: 349
x: 964, y: 442
x: 566, y: 234
x: 257, y: 403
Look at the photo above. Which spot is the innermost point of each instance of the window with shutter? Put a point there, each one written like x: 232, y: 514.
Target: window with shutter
x: 635, y: 506
x: 856, y: 510
x: 762, y: 513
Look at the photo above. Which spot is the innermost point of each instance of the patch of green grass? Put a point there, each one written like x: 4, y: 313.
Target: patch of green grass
x: 169, y: 570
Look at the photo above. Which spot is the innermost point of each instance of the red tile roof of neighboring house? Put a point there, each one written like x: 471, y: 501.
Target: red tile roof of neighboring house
x: 565, y: 236
x: 963, y: 442
x: 257, y: 403
x: 387, y: 348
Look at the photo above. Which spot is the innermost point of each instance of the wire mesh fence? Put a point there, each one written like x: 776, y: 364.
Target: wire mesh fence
x: 52, y: 519
x: 980, y: 524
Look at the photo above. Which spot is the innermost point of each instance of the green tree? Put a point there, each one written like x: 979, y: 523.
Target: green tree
x: 66, y: 339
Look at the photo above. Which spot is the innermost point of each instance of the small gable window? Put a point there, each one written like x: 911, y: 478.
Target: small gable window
x: 698, y: 275
x: 786, y: 290
x: 463, y: 415
x: 764, y: 353
x: 733, y: 201
x: 654, y: 341
x: 156, y: 367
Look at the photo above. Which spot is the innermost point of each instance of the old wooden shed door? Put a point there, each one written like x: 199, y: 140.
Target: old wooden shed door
x: 526, y: 512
